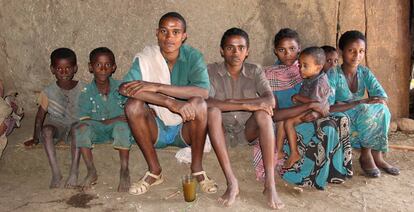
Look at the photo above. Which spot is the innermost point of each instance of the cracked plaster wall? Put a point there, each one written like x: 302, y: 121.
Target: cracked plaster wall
x: 31, y: 29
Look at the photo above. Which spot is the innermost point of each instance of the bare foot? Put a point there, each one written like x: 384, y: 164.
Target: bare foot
x: 229, y: 197
x: 55, y: 182
x: 72, y: 181
x: 124, y: 181
x: 89, y: 180
x: 292, y: 159
x: 273, y: 200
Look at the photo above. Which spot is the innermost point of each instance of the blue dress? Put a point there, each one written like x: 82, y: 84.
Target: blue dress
x: 369, y: 122
x: 324, y: 146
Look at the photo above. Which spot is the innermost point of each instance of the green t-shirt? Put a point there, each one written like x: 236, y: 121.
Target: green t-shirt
x: 189, y: 69
x: 95, y: 106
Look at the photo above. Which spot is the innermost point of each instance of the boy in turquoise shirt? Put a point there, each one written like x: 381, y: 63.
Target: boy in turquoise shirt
x: 102, y: 116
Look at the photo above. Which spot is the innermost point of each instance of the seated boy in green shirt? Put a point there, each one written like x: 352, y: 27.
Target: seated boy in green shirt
x: 102, y: 117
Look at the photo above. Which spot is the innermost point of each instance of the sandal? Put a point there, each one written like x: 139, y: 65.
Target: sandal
x: 207, y: 185
x: 372, y: 173
x: 141, y: 187
x: 392, y: 171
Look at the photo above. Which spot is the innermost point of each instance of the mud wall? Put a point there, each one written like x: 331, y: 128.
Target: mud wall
x: 30, y: 30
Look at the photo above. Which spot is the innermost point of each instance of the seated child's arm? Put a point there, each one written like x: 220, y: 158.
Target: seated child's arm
x: 375, y: 100
x: 184, y: 108
x: 238, y: 105
x: 113, y: 120
x: 265, y: 102
x: 135, y: 88
x: 286, y: 113
x: 40, y: 117
x: 344, y: 106
x: 311, y: 116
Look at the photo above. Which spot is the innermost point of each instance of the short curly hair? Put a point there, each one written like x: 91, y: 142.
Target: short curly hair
x: 328, y: 49
x: 101, y: 50
x: 285, y: 33
x: 317, y: 53
x: 350, y: 36
x: 173, y: 15
x: 233, y: 32
x: 63, y: 53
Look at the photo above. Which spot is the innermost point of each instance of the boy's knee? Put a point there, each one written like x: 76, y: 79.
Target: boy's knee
x: 134, y: 107
x: 213, y: 112
x: 214, y: 115
x: 199, y: 104
x: 261, y: 115
x: 263, y: 119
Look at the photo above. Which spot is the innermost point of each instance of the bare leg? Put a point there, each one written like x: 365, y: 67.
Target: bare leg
x: 47, y: 132
x: 92, y: 175
x: 124, y: 179
x: 72, y: 180
x: 292, y: 139
x: 194, y: 133
x: 145, y: 131
x: 263, y: 122
x: 280, y: 136
x: 216, y: 132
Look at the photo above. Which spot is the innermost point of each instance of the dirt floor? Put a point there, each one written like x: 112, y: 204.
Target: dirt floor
x: 25, y: 176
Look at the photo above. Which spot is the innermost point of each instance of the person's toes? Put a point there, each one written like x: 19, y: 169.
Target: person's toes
x: 280, y: 205
x: 272, y: 205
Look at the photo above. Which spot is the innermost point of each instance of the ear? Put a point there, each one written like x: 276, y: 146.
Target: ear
x: 52, y: 69
x: 274, y: 51
x: 157, y: 31
x: 221, y: 52
x: 75, y: 69
x: 184, y: 37
x: 320, y: 67
x: 114, y: 68
x: 90, y: 68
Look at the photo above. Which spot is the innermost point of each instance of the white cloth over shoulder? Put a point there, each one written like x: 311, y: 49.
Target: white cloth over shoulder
x: 154, y: 68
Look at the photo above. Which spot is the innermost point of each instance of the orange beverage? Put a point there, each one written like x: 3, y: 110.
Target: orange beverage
x: 189, y: 188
